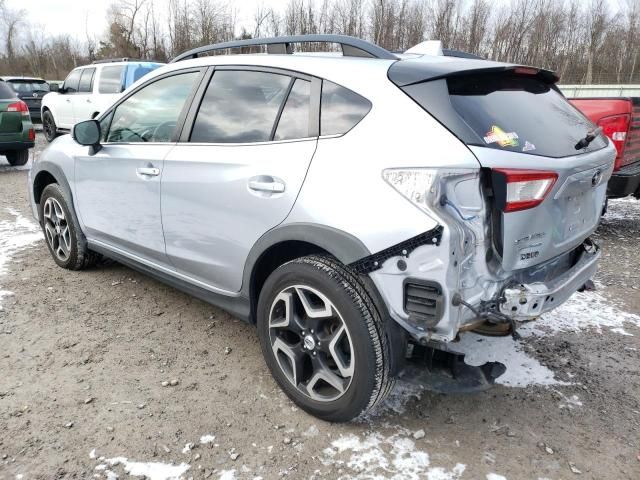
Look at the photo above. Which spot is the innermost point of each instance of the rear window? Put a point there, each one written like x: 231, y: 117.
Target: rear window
x: 6, y: 91
x: 520, y: 114
x: 111, y: 79
x: 27, y: 87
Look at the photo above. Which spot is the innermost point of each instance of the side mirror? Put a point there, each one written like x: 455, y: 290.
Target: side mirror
x: 87, y: 133
x: 54, y: 87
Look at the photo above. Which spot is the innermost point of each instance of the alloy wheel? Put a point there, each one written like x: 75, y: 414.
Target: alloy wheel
x: 57, y: 229
x: 311, y: 343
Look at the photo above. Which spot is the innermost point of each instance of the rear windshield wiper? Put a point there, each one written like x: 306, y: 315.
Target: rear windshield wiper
x: 586, y: 141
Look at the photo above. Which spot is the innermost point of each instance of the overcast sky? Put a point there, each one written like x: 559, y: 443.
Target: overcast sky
x: 70, y: 16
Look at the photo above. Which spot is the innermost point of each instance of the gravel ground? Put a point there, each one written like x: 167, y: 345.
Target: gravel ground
x: 85, y: 357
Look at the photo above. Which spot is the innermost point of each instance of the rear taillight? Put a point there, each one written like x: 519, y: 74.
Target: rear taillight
x: 616, y: 128
x: 516, y: 189
x: 32, y: 135
x: 18, y: 106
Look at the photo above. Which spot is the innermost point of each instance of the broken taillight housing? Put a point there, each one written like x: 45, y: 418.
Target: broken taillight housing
x: 18, y: 106
x: 616, y: 128
x: 517, y: 189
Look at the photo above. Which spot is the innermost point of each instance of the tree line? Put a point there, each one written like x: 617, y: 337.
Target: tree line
x: 584, y: 41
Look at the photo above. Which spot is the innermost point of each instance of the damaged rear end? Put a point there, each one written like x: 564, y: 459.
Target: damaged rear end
x: 514, y: 234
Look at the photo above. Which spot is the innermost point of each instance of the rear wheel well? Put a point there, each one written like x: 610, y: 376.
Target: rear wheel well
x: 271, y: 259
x: 41, y: 181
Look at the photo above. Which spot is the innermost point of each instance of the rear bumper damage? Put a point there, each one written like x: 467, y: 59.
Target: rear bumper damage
x: 528, y: 301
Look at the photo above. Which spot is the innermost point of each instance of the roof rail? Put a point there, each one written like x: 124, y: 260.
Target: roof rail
x: 351, y: 46
x: 124, y: 59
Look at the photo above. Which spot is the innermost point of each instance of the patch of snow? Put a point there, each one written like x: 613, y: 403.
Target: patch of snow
x: 15, y: 235
x: 522, y: 369
x: 622, y: 209
x: 312, y: 431
x: 377, y: 457
x: 583, y: 311
x: 495, y: 476
x: 92, y: 454
x: 569, y: 402
x: 204, y: 439
x: 187, y: 448
x: 150, y: 470
x: 227, y: 475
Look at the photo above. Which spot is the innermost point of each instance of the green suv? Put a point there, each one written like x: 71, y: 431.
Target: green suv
x: 17, y: 135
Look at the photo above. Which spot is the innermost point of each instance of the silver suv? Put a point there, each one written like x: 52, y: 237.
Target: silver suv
x: 348, y: 205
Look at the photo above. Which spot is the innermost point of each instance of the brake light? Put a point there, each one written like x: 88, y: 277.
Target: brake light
x: 32, y: 135
x: 616, y: 128
x: 517, y: 189
x: 18, y: 106
x: 526, y: 70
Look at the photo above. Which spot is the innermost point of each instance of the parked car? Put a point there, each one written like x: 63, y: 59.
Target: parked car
x: 620, y: 121
x: 349, y: 206
x: 17, y: 135
x: 30, y: 90
x: 87, y: 91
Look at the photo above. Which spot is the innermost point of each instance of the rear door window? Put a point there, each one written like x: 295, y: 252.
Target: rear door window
x: 294, y: 121
x: 520, y: 114
x: 71, y: 83
x: 340, y: 109
x: 86, y: 80
x: 240, y: 106
x: 111, y: 79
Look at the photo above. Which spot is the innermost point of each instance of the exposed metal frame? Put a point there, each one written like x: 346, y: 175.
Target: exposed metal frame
x: 351, y: 46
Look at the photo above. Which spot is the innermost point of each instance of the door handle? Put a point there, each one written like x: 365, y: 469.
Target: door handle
x: 149, y: 171
x: 68, y: 100
x: 88, y: 100
x: 272, y: 186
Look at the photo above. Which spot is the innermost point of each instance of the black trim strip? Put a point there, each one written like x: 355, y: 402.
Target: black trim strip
x: 374, y: 261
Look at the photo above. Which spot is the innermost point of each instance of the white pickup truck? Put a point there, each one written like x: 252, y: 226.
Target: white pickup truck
x: 87, y: 91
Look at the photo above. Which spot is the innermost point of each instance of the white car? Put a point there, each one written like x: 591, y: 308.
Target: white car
x: 87, y: 91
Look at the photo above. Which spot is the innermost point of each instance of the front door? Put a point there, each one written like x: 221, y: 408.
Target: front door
x: 238, y: 173
x: 118, y: 188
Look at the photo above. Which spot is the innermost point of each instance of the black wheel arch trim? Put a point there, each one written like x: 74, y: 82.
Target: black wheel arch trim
x: 342, y: 245
x: 56, y: 172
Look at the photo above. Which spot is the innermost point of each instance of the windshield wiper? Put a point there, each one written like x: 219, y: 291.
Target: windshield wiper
x: 586, y: 141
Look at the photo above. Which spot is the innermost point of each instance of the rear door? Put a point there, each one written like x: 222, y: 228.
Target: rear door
x: 237, y: 172
x: 520, y: 127
x: 83, y: 107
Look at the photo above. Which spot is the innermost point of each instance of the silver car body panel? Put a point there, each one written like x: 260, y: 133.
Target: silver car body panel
x: 209, y: 226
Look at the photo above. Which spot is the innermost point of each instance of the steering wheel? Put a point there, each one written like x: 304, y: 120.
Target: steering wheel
x: 164, y: 131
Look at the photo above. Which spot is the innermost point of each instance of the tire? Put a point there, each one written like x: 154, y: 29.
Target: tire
x: 63, y: 236
x: 49, y: 127
x: 358, y: 356
x: 17, y: 158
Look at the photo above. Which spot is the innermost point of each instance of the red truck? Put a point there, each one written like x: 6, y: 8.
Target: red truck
x: 620, y: 121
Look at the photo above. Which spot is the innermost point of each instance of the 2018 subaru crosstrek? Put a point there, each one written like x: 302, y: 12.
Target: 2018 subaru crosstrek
x: 348, y: 205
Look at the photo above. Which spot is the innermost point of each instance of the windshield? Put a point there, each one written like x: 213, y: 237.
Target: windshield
x: 23, y: 87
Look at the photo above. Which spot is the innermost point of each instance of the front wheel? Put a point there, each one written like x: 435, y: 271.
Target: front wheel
x: 49, y: 126
x: 65, y: 240
x: 323, y: 339
x: 17, y: 158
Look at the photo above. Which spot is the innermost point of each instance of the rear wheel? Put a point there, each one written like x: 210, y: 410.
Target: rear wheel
x: 65, y: 240
x: 49, y: 126
x: 17, y: 158
x: 323, y: 339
